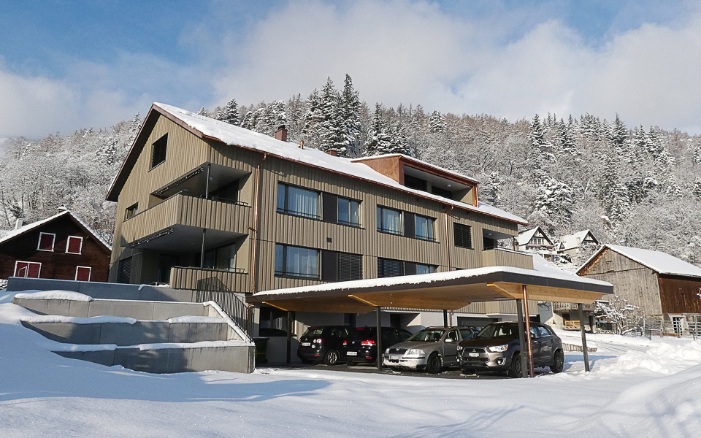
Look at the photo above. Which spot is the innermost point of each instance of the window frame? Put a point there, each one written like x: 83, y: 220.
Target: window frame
x: 159, y: 151
x: 53, y: 241
x: 459, y: 242
x: 283, y: 261
x: 381, y: 226
x: 80, y: 246
x: 77, y: 270
x: 283, y: 195
x: 430, y: 226
x: 28, y: 263
x: 350, y: 202
x: 131, y: 211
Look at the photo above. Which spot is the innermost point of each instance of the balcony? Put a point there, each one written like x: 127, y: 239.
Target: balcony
x: 204, y: 279
x: 506, y: 257
x: 571, y: 307
x: 176, y: 224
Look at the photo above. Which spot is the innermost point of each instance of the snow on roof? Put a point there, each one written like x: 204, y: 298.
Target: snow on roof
x: 658, y: 261
x: 29, y: 227
x: 572, y: 241
x: 539, y: 270
x: 241, y: 137
x: 525, y: 236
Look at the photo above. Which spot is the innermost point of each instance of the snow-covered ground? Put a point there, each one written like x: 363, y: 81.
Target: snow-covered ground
x: 637, y: 388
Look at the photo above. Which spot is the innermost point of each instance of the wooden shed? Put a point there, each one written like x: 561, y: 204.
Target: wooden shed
x: 661, y: 285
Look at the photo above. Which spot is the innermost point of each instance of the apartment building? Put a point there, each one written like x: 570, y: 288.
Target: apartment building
x: 208, y: 206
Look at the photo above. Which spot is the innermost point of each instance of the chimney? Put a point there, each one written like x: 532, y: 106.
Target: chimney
x: 281, y: 133
x: 332, y: 152
x: 19, y: 223
x: 301, y: 144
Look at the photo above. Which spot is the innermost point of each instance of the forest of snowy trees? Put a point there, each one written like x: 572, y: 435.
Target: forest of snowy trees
x: 634, y: 186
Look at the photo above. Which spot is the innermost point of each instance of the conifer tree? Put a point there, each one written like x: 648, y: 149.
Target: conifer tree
x: 230, y: 113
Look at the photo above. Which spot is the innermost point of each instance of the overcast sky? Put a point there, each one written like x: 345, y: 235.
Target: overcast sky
x: 66, y: 65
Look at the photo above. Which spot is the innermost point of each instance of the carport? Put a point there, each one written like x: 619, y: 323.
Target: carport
x: 443, y: 291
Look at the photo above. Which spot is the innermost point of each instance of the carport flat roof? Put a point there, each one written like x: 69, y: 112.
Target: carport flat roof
x: 440, y: 291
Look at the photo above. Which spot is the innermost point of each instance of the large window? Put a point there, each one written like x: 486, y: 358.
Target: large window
x: 295, y: 261
x: 389, y: 220
x: 425, y: 269
x: 348, y: 212
x: 297, y: 201
x: 389, y: 268
x: 423, y: 227
x: 46, y: 241
x: 27, y: 269
x: 222, y: 258
x: 158, y: 151
x: 462, y: 235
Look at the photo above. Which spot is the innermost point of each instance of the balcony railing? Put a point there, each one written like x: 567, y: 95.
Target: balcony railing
x: 188, y: 211
x: 572, y: 307
x: 506, y: 257
x: 205, y: 279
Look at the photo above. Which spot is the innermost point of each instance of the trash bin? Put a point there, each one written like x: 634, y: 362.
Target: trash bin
x: 261, y: 348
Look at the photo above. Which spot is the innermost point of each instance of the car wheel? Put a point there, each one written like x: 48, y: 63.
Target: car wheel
x: 331, y: 357
x: 433, y: 365
x: 515, y: 368
x: 558, y: 362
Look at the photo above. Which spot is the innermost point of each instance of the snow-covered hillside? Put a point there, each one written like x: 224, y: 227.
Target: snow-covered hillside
x: 637, y: 388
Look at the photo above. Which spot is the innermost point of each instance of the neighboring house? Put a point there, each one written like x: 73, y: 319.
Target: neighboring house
x: 60, y: 247
x: 660, y: 285
x: 208, y: 206
x: 578, y: 246
x: 534, y: 240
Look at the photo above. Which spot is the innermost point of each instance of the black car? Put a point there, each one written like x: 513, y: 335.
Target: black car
x: 323, y: 344
x: 498, y: 348
x: 362, y: 344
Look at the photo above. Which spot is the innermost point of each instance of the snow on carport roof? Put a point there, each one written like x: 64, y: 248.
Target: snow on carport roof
x: 444, y: 290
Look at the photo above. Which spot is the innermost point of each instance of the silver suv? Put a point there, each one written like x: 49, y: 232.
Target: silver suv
x: 431, y: 349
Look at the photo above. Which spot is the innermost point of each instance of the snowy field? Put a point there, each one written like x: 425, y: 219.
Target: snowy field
x: 637, y: 388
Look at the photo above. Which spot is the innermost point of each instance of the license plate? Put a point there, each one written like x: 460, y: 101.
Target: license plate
x: 352, y: 353
x: 306, y: 344
x: 473, y: 354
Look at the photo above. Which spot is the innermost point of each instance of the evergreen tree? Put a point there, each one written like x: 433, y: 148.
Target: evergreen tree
x: 618, y: 133
x: 350, y: 115
x: 230, y: 113
x: 436, y: 123
x: 379, y: 140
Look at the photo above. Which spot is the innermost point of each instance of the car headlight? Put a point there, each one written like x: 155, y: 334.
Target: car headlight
x: 498, y: 348
x: 413, y: 352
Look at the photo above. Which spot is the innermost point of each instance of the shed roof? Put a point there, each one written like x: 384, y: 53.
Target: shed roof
x: 658, y: 261
x: 444, y: 290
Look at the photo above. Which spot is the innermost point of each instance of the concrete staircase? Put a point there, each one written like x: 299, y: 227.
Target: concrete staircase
x: 143, y: 335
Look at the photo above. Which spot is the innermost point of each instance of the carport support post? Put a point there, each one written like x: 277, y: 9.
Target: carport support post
x: 528, y: 330
x: 585, y: 351
x: 378, y: 316
x: 288, y: 358
x: 445, y: 317
x: 521, y: 337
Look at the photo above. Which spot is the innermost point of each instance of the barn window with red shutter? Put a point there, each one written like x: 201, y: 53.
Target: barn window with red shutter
x: 82, y: 273
x: 74, y: 245
x: 27, y: 269
x: 46, y: 241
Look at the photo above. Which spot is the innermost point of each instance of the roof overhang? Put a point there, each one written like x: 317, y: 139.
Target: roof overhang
x: 439, y: 291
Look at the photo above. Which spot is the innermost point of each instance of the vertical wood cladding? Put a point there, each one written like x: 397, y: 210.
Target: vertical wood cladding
x: 680, y: 294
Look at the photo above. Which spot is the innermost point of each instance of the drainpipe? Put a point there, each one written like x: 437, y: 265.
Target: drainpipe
x: 256, y: 225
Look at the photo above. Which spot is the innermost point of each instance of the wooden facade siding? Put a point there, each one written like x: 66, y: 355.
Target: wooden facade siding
x: 188, y: 211
x: 680, y: 294
x: 208, y: 279
x: 500, y: 257
x: 497, y: 307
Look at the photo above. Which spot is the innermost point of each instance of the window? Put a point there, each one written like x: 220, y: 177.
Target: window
x: 415, y: 183
x: 462, y: 235
x: 297, y: 201
x: 341, y: 266
x: 124, y: 271
x: 423, y: 228
x: 295, y: 261
x: 389, y: 220
x: 389, y: 268
x: 131, y: 211
x: 222, y: 258
x: 348, y: 212
x: 226, y: 193
x: 46, y: 242
x: 27, y: 269
x: 82, y: 273
x: 74, y: 245
x: 158, y: 151
x: 425, y: 269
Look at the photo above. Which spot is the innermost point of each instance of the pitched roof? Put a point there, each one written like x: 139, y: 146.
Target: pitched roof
x: 572, y: 241
x: 34, y: 225
x: 207, y: 128
x: 658, y: 261
x: 525, y: 236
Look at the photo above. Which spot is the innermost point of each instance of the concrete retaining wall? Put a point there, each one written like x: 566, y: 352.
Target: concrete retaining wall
x: 147, y: 310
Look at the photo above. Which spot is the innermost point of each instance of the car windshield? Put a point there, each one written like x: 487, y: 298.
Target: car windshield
x: 498, y: 331
x: 427, y: 335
